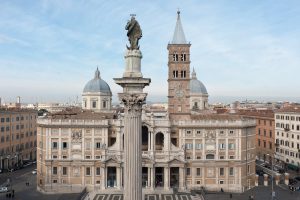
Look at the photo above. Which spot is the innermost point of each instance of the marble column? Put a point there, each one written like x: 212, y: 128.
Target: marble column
x: 152, y: 170
x: 118, y: 177
x: 103, y: 177
x: 149, y: 141
x: 166, y: 178
x: 132, y: 98
x: 181, y: 178
x: 149, y: 177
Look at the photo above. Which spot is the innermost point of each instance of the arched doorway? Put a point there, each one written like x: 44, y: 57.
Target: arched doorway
x: 145, y: 138
x: 159, y: 141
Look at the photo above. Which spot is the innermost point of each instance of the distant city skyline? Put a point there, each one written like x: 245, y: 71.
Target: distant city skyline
x: 50, y: 49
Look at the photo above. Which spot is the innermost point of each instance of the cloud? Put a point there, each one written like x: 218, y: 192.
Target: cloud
x: 238, y: 48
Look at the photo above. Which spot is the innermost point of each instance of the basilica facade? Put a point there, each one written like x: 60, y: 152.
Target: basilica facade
x: 186, y: 146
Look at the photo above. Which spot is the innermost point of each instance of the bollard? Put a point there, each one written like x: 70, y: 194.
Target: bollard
x: 265, y: 179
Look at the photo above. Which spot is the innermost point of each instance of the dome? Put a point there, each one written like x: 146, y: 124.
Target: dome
x: 96, y: 85
x: 197, y: 86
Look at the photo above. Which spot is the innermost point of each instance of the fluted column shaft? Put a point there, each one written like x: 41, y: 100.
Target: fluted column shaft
x: 133, y: 145
x: 133, y: 156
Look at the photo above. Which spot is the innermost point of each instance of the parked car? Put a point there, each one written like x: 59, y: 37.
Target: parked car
x: 34, y: 171
x: 292, y: 181
x: 295, y: 186
x: 297, y: 178
x: 11, y: 170
x: 3, y: 189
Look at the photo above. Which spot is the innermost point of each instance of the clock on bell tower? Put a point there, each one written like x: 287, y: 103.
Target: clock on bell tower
x: 179, y: 74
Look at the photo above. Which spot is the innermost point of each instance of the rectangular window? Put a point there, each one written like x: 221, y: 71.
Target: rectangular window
x: 221, y: 171
x: 54, y: 170
x: 222, y: 146
x: 65, y: 170
x: 231, y: 171
x: 188, y: 146
x: 198, y: 171
x: 98, y: 171
x: 98, y: 145
x: 94, y: 103
x: 87, y: 171
x: 54, y: 145
x: 188, y: 171
x: 198, y: 146
x: 231, y: 146
x: 65, y: 145
x: 248, y: 169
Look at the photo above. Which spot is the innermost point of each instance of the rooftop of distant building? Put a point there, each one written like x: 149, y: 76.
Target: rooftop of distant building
x: 77, y: 113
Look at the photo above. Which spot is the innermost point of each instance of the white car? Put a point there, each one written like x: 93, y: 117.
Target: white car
x: 3, y: 189
x: 34, y: 171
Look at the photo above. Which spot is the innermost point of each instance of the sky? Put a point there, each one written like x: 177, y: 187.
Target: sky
x: 49, y: 49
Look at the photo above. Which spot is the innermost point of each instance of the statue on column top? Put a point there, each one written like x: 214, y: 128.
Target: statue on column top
x: 134, y: 33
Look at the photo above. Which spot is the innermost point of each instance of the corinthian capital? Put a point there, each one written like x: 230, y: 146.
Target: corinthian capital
x: 133, y: 102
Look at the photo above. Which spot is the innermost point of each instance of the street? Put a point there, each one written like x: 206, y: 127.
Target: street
x: 23, y: 192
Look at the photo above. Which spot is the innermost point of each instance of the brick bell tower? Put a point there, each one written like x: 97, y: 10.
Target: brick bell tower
x: 179, y: 74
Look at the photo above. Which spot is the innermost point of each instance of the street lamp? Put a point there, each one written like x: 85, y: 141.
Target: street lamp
x: 272, y: 194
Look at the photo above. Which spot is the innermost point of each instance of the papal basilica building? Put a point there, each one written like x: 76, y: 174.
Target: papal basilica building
x: 187, y: 146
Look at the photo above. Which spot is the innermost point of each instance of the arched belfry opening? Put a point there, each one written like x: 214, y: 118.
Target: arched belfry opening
x: 145, y: 138
x: 159, y: 141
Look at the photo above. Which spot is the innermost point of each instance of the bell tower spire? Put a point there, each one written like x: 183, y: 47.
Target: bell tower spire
x: 179, y: 74
x: 178, y: 36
